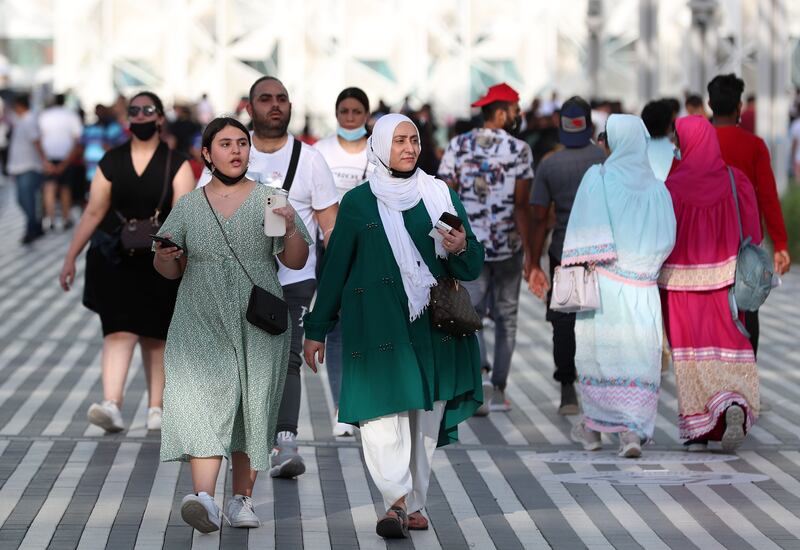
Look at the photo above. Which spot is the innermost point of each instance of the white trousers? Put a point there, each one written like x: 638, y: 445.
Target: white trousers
x: 398, y: 449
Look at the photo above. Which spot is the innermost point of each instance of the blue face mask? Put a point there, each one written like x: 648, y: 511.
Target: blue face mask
x: 351, y: 135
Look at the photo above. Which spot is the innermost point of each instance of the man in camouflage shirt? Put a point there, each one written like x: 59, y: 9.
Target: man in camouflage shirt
x: 492, y: 172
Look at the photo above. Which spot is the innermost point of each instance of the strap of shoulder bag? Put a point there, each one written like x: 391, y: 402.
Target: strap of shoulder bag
x: 225, y: 236
x: 164, y: 191
x: 296, y: 147
x: 736, y: 202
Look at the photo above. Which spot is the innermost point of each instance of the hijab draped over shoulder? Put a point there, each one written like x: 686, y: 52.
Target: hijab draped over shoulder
x: 396, y: 195
x: 704, y: 257
x: 622, y: 214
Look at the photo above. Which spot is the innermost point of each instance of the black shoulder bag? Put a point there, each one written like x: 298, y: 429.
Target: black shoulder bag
x: 264, y: 309
x: 134, y: 236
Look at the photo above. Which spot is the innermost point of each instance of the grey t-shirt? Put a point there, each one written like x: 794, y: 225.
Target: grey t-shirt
x: 557, y: 180
x: 22, y: 154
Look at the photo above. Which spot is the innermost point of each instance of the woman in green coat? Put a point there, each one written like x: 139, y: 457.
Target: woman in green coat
x: 406, y: 383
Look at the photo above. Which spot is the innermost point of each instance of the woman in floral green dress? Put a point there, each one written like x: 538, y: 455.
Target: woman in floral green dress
x: 224, y: 376
x: 405, y: 382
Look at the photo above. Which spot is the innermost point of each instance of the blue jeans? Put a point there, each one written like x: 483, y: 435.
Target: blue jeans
x: 29, y: 186
x: 497, y: 289
x: 333, y: 361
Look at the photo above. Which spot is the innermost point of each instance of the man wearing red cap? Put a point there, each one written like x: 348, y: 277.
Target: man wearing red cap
x: 492, y: 172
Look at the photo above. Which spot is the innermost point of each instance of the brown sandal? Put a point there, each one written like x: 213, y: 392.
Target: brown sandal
x: 417, y: 522
x: 393, y: 525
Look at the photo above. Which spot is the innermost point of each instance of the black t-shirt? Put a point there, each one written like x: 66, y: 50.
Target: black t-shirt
x: 137, y: 196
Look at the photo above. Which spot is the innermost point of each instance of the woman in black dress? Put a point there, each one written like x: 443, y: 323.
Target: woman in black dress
x: 135, y: 181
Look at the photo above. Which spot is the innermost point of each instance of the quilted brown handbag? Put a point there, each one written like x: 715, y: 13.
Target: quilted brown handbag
x: 452, y: 310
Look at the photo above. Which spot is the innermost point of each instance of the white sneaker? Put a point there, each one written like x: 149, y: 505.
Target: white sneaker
x: 340, y: 429
x: 201, y: 512
x: 630, y: 446
x: 106, y: 415
x: 154, y: 418
x: 488, y: 393
x: 695, y: 446
x: 241, y: 512
x: 589, y: 439
x: 499, y: 403
x: 285, y: 460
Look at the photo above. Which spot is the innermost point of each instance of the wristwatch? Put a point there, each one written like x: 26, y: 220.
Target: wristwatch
x: 460, y: 252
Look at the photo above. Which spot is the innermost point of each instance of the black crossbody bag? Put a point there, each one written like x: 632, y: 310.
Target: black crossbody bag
x: 264, y: 309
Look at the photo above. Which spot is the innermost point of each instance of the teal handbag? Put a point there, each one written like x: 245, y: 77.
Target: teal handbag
x: 754, y: 271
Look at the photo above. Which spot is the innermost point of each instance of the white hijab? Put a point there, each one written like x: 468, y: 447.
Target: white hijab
x: 395, y: 195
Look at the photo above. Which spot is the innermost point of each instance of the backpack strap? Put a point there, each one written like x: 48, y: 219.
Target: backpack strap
x: 296, y: 147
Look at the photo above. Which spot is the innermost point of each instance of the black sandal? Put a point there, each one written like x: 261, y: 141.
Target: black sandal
x: 393, y: 526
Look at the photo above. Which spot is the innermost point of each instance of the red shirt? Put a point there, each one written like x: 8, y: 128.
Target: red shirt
x: 749, y: 153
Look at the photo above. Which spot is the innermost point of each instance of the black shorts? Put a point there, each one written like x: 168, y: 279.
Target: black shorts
x: 67, y: 178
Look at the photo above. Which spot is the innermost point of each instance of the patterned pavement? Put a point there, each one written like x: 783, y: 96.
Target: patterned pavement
x: 514, y: 481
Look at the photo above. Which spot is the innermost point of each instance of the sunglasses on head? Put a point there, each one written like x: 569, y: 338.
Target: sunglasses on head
x: 147, y: 110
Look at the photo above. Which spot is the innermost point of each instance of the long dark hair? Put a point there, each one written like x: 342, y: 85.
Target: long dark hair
x: 356, y: 93
x: 156, y: 101
x: 214, y: 128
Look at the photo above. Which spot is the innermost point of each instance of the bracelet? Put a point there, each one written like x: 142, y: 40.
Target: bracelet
x: 292, y: 235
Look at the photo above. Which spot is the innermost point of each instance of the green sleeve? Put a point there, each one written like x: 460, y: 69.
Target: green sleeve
x: 336, y: 265
x: 175, y: 225
x: 467, y: 266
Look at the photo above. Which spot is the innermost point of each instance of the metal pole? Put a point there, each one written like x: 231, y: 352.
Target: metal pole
x: 647, y: 50
x: 594, y: 21
x: 772, y: 101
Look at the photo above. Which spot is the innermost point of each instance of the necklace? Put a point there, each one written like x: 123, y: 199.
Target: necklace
x: 225, y: 196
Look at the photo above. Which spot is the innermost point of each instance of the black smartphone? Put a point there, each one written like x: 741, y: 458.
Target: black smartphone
x: 452, y: 220
x: 164, y: 241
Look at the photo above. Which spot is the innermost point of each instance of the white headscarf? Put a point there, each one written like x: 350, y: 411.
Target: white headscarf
x: 395, y: 195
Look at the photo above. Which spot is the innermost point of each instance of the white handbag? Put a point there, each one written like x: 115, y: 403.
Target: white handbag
x: 575, y: 288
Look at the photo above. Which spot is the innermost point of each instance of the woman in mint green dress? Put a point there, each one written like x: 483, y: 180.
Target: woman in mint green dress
x: 406, y: 383
x: 224, y: 376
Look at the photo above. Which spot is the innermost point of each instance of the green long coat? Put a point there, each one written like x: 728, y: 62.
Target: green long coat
x: 390, y: 364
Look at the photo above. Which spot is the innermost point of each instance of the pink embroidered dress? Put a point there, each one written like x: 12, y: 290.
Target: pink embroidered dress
x: 714, y: 363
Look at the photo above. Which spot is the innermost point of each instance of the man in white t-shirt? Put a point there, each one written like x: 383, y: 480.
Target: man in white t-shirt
x: 313, y: 195
x: 61, y: 131
x: 795, y: 133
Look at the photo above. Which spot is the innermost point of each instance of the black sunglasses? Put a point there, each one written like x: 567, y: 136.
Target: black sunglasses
x: 147, y: 110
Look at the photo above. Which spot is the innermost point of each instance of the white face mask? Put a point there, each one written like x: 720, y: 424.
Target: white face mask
x: 351, y: 135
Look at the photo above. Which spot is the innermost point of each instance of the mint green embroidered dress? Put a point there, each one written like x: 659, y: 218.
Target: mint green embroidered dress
x: 224, y: 376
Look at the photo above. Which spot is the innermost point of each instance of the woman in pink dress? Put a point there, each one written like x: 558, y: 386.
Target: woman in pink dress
x: 715, y: 368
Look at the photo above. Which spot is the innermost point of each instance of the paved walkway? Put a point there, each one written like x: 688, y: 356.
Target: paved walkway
x: 515, y: 481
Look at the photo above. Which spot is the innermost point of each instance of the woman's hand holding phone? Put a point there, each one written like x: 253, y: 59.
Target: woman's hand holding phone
x: 166, y: 250
x: 288, y: 214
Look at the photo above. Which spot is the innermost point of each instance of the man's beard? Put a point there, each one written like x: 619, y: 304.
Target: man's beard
x: 267, y: 128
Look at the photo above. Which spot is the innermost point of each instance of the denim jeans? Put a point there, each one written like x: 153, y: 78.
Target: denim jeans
x: 29, y: 187
x: 497, y: 290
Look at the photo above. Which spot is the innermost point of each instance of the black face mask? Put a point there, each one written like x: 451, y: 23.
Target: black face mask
x: 144, y: 130
x: 226, y: 179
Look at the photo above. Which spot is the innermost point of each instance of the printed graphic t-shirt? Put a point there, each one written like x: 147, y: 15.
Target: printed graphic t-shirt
x: 486, y: 164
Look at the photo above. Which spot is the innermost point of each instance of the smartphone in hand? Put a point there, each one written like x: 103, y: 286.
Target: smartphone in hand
x: 165, y: 241
x: 446, y: 222
x: 274, y: 225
